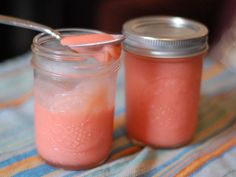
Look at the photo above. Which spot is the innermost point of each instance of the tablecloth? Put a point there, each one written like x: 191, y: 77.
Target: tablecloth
x: 212, y: 153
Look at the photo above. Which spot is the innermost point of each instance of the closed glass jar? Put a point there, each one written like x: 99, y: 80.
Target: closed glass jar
x: 163, y: 63
x: 74, y: 102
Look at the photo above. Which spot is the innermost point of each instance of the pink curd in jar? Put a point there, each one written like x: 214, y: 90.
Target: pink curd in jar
x: 162, y: 97
x: 71, y: 140
x: 74, y: 104
x: 74, y: 125
x: 163, y: 64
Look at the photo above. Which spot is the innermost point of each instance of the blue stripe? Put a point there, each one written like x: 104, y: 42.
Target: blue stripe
x: 2, y: 111
x: 16, y: 137
x: 120, y: 111
x: 17, y: 158
x: 14, y: 132
x: 120, y: 148
x: 73, y: 173
x: 217, y: 85
x: 37, y: 171
x: 119, y: 133
x: 212, y: 160
x: 208, y: 62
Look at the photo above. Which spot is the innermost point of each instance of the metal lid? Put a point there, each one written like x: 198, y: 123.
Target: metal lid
x: 164, y: 36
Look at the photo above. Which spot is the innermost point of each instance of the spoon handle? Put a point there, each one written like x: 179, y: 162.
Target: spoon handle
x: 13, y: 21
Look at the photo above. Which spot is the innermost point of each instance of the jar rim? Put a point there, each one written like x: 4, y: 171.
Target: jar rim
x: 45, y: 58
x: 58, y: 55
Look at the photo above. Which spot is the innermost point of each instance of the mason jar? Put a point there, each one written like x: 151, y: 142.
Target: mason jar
x: 163, y: 65
x: 74, y: 101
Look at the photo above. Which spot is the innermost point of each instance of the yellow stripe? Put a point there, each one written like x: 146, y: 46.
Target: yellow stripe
x: 119, y: 122
x: 126, y: 152
x: 19, y: 166
x: 215, y: 69
x: 202, y: 160
x: 55, y: 173
x: 16, y: 101
x: 210, y: 130
x: 120, y: 142
x: 209, y: 103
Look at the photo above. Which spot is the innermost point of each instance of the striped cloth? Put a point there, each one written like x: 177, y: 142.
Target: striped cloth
x: 211, y: 154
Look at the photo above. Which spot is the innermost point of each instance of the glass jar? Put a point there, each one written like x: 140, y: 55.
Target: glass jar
x: 74, y: 102
x: 163, y: 65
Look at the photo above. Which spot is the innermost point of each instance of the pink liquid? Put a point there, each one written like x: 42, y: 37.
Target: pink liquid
x: 162, y: 97
x: 74, y: 127
x: 72, y: 141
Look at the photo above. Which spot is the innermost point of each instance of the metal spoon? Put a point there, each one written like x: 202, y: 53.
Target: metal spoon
x: 14, y: 21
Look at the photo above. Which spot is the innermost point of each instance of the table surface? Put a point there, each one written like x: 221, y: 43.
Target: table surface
x: 212, y: 153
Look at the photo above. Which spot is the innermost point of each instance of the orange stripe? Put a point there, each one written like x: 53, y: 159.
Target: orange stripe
x: 210, y: 130
x: 119, y: 122
x: 55, y: 173
x: 121, y: 141
x: 19, y: 166
x: 16, y: 101
x: 215, y: 69
x: 126, y: 152
x: 202, y: 160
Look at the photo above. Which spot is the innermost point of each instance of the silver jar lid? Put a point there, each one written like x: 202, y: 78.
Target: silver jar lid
x: 165, y: 37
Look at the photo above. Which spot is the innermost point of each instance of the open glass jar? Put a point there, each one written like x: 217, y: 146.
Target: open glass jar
x: 74, y: 101
x: 163, y: 64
